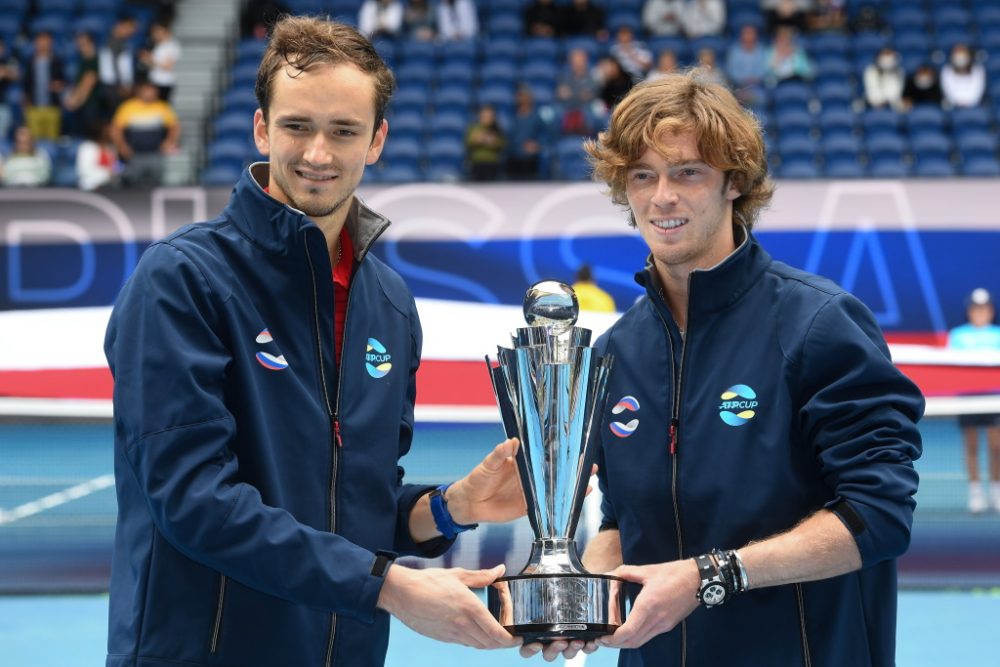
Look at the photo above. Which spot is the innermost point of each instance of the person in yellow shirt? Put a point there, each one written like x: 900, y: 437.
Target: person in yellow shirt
x: 589, y: 295
x: 144, y: 130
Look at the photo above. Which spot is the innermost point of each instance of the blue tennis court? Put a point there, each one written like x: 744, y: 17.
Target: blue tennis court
x: 58, y: 512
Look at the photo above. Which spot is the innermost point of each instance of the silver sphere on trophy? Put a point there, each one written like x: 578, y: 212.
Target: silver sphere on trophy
x: 550, y: 388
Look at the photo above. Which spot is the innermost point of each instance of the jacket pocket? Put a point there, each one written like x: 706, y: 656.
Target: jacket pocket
x: 213, y: 645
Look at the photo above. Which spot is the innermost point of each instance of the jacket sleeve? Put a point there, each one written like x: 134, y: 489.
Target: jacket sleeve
x: 169, y: 359
x: 859, y: 413
x: 409, y: 494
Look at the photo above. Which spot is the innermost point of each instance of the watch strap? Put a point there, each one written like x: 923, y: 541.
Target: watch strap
x: 442, y: 517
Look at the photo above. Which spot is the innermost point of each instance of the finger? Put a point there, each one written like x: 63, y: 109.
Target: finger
x: 574, y: 647
x: 629, y: 573
x: 479, y: 578
x: 593, y: 469
x: 493, y: 634
x: 554, y: 650
x: 590, y: 647
x: 530, y: 650
x: 500, y: 454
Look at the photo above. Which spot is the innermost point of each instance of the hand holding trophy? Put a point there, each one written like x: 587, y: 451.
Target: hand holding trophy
x: 550, y: 387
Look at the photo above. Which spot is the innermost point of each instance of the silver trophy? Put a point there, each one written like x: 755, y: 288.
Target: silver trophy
x: 550, y: 388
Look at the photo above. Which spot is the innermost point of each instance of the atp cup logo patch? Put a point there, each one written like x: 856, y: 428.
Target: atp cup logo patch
x: 272, y: 362
x: 738, y: 403
x: 377, y: 359
x: 620, y: 429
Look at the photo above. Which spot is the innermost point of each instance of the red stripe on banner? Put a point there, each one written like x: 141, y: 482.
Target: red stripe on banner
x: 953, y: 380
x: 459, y: 382
x: 57, y: 383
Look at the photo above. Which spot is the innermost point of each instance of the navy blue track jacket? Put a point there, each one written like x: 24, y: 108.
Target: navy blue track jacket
x: 246, y: 533
x: 779, y: 399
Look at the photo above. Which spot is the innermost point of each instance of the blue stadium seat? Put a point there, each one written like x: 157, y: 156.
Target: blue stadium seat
x: 504, y: 25
x: 56, y: 6
x: 59, y: 25
x: 546, y: 50
x: 410, y: 99
x: 592, y: 48
x: 831, y: 67
x: 250, y: 50
x: 244, y: 74
x: 620, y: 18
x: 465, y: 50
x: 880, y: 119
x: 885, y: 145
x: 964, y: 118
x: 543, y: 94
x: 934, y: 168
x: 447, y: 125
x: 228, y: 151
x: 678, y: 45
x: 716, y: 43
x: 792, y: 94
x: 416, y: 72
x: 502, y: 49
x: 407, y: 124
x: 925, y: 117
x: 974, y: 144
x: 96, y: 25
x: 453, y: 99
x: 827, y: 43
x: 900, y: 18
x: 889, y: 168
x: 837, y: 120
x: 540, y: 73
x: 234, y: 125
x: 499, y: 96
x: 840, y: 146
x: 417, y: 51
x: 442, y: 149
x: 844, y: 168
x: 986, y: 16
x: 981, y: 166
x: 794, y: 119
x: 400, y: 173
x: 989, y: 39
x: 456, y: 74
x: 221, y: 175
x: 239, y: 100
x: 948, y: 15
x: 444, y: 173
x: 797, y: 148
x: 929, y: 143
x: 867, y: 44
x: 492, y: 73
x: 572, y: 168
x: 401, y: 152
x: 835, y: 93
x: 912, y: 40
x: 798, y: 169
x: 754, y: 17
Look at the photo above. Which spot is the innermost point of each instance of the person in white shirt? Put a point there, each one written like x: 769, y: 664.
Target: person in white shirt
x: 381, y: 18
x: 963, y: 81
x: 662, y: 18
x: 457, y: 20
x: 162, y: 59
x: 97, y: 163
x: 704, y: 17
x: 27, y: 166
x: 884, y: 80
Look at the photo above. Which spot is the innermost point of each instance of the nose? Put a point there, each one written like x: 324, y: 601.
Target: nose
x: 665, y: 195
x: 317, y: 152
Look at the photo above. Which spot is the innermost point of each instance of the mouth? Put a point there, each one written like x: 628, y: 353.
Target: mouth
x: 314, y: 177
x: 668, y: 224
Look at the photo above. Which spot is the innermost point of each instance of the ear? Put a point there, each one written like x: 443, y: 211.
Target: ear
x: 378, y: 143
x: 732, y: 192
x: 260, y: 133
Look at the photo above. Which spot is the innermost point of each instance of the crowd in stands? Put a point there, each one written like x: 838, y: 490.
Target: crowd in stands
x: 85, y: 89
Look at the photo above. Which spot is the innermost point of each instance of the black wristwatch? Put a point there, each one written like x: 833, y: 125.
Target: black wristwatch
x: 714, y: 589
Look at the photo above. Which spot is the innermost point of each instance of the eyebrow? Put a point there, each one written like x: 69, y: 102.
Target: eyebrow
x: 672, y: 165
x: 343, y: 122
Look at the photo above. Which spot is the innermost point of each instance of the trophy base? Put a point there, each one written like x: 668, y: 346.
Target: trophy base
x: 564, y: 606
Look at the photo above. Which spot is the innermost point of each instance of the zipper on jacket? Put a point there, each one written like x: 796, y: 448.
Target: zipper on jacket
x: 335, y: 426
x: 217, y: 629
x: 676, y: 378
x: 806, y: 658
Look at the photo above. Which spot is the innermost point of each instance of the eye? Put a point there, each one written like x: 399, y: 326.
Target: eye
x: 295, y: 127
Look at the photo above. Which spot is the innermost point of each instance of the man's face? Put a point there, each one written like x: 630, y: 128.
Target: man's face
x: 981, y: 314
x: 682, y: 207
x: 319, y: 136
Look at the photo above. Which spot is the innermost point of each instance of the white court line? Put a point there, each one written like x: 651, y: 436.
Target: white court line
x: 56, y: 499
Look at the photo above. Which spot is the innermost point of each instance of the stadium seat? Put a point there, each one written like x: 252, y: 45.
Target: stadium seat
x: 539, y: 73
x: 572, y: 168
x: 837, y: 120
x: 410, y: 99
x: 444, y: 173
x: 934, y: 168
x: 792, y: 94
x: 239, y: 100
x: 499, y: 96
x: 406, y: 124
x: 234, y: 125
x: 912, y: 40
x: 873, y: 120
x: 716, y: 43
x: 453, y: 98
x: 56, y: 6
x: 930, y: 145
x: 947, y: 15
x: 221, y: 175
x: 743, y: 17
x: 900, y: 18
x: 889, y: 168
x: 400, y: 173
x: 504, y: 25
x: 925, y: 117
x: 624, y: 18
x: 96, y: 25
x: 416, y: 72
x: 844, y: 168
x: 885, y: 145
x: 867, y: 44
x: 794, y: 120
x: 58, y: 25
x: 982, y: 166
x: 839, y: 146
x: 970, y: 118
x: 798, y: 169
x: 445, y: 149
x: 986, y: 16
x: 502, y: 50
x: 835, y: 93
x: 544, y: 50
x: 975, y: 144
x: 250, y: 50
x: 416, y: 51
x: 228, y: 151
x: 456, y: 74
x: 949, y: 37
x: 678, y: 45
x: 796, y: 148
x: 244, y: 74
x: 827, y: 43
x: 450, y: 124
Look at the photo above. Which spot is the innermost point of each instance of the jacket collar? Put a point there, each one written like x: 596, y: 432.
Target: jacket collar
x: 272, y: 224
x: 722, y: 285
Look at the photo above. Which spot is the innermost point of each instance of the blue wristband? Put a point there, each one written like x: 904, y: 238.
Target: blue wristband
x: 442, y: 517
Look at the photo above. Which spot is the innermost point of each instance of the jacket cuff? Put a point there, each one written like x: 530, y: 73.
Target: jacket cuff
x: 409, y: 494
x: 371, y: 588
x: 879, y: 535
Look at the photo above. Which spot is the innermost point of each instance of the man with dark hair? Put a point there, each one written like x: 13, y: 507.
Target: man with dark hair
x: 264, y: 367
x: 758, y: 443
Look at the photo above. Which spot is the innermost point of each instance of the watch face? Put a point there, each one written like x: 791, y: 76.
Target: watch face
x: 713, y: 594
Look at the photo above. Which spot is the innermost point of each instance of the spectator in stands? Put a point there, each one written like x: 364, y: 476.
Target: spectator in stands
x: 746, y: 65
x: 576, y: 92
x: 589, y: 295
x: 710, y: 71
x: 666, y: 63
x: 979, y: 333
x: 418, y: 20
x: 786, y: 13
x: 10, y: 72
x: 484, y: 145
x: 786, y: 60
x: 615, y: 83
x: 144, y: 130
x: 44, y: 83
x: 633, y: 56
x: 963, y: 81
x: 258, y: 17
x: 582, y: 17
x: 83, y: 101
x: 381, y: 18
x: 884, y: 80
x: 702, y: 18
x: 542, y: 18
x: 922, y: 87
x: 457, y: 20
x: 97, y: 164
x: 28, y: 165
x: 116, y: 64
x: 161, y: 60
x: 528, y: 131
x: 828, y: 16
x: 163, y: 10
x: 663, y: 18
x: 868, y: 19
